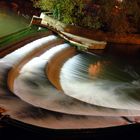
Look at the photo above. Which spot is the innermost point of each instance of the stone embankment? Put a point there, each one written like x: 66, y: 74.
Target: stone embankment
x: 90, y: 34
x: 59, y: 28
x: 102, y: 36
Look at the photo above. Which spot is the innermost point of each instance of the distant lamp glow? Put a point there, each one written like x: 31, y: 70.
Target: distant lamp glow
x: 120, y: 1
x: 94, y: 69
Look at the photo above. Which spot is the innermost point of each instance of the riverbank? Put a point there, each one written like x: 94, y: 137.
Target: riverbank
x: 104, y: 36
x: 87, y: 33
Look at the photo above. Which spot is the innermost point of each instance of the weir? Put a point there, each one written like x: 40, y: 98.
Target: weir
x: 58, y: 27
x: 52, y: 85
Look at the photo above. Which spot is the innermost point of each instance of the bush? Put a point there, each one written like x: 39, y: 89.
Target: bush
x: 111, y: 15
x: 69, y: 12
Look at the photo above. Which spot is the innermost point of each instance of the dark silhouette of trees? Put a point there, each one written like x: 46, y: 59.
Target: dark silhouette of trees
x: 120, y: 16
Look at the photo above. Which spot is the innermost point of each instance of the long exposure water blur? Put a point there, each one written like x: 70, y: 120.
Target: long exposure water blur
x: 98, y: 86
x: 102, y: 80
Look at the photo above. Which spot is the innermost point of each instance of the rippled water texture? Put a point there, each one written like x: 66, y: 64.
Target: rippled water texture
x: 96, y: 83
x: 33, y: 86
x: 102, y: 81
x: 20, y: 110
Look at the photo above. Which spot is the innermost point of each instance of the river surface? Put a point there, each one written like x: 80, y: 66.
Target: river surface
x: 102, y: 80
x: 33, y: 86
x: 10, y: 23
x: 99, y: 85
x: 19, y: 109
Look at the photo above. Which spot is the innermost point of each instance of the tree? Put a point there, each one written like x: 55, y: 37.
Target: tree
x: 117, y: 16
x: 67, y: 11
x: 120, y: 16
x: 132, y: 11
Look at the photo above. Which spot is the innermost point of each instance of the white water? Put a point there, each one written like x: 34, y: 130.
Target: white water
x: 22, y: 111
x: 20, y: 53
x: 98, y: 82
x: 33, y: 87
x: 25, y: 112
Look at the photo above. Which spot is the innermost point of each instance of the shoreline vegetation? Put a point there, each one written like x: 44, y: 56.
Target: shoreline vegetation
x: 117, y: 16
x: 104, y: 36
x: 109, y: 37
x: 93, y: 9
x: 111, y: 21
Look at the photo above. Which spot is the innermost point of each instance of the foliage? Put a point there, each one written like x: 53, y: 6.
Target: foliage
x: 45, y: 4
x: 68, y: 11
x: 64, y: 10
x: 120, y: 17
x: 110, y: 15
x: 132, y: 11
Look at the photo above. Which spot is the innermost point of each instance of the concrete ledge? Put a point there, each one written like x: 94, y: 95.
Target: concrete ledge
x: 89, y: 33
x: 59, y: 28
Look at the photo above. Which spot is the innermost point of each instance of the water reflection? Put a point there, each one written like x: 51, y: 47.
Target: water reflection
x: 95, y: 69
x: 10, y: 23
x: 34, y: 87
x: 102, y: 81
x: 24, y: 112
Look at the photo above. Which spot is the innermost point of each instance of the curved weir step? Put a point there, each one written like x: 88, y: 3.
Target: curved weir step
x: 50, y: 41
x: 55, y: 63
x: 101, y: 82
x: 18, y: 44
x: 29, y: 114
x: 33, y: 87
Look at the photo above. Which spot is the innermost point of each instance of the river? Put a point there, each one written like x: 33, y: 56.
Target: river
x: 97, y: 88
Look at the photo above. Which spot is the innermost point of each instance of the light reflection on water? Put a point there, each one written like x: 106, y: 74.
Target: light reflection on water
x: 26, y: 113
x: 34, y: 81
x: 114, y: 84
x: 102, y: 81
x: 33, y: 87
x: 10, y: 23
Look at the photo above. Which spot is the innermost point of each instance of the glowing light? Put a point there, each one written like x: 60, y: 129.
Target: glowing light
x: 120, y: 0
x: 94, y: 69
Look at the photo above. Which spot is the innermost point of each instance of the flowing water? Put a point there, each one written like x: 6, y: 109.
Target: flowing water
x: 24, y: 112
x: 102, y: 85
x: 102, y: 80
x: 33, y: 86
